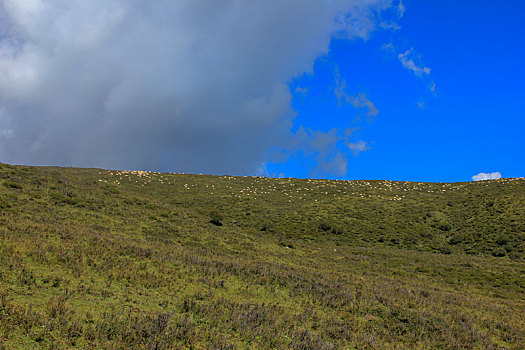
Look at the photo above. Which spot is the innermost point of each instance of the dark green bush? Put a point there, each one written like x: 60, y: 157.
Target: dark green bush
x: 216, y: 218
x: 266, y: 227
x: 9, y: 184
x: 445, y: 250
x: 499, y: 252
x: 4, y: 204
x: 502, y: 240
x: 337, y: 231
x: 456, y: 239
x: 324, y: 226
x: 444, y: 227
x: 58, y: 197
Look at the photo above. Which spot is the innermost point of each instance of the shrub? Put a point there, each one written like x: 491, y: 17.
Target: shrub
x: 456, y: 239
x: 445, y: 250
x: 9, y: 184
x: 4, y: 204
x: 58, y: 197
x: 324, y: 226
x: 502, y: 240
x: 216, y: 218
x: 499, y: 252
x: 337, y: 231
x: 444, y: 227
x: 266, y: 227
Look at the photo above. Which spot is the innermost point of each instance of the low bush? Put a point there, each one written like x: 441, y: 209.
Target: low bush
x: 456, y: 239
x: 499, y: 252
x: 324, y: 226
x: 216, y: 218
x: 9, y: 184
x: 502, y: 240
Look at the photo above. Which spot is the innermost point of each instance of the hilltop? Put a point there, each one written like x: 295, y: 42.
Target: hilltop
x: 116, y: 259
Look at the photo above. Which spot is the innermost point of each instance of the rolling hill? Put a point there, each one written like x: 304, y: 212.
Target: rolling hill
x: 94, y: 258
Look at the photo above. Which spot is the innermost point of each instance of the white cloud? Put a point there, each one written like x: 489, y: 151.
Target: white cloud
x: 412, y: 62
x: 359, y: 101
x: 421, y: 104
x: 407, y: 60
x: 432, y: 86
x: 401, y: 8
x: 390, y: 25
x: 197, y: 86
x: 358, y: 147
x: 487, y: 176
x: 389, y: 47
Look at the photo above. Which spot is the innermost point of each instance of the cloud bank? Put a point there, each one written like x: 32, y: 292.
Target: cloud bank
x: 487, y: 176
x: 193, y: 86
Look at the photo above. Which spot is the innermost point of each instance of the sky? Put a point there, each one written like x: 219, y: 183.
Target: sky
x: 357, y: 89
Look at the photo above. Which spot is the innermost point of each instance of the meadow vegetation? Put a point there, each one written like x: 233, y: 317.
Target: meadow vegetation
x: 93, y: 258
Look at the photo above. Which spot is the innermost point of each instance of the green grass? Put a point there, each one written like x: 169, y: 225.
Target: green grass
x: 106, y: 259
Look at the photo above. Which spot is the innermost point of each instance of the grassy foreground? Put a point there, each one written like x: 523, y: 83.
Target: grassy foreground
x: 111, y: 259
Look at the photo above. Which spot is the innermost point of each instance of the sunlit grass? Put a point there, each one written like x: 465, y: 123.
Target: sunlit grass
x: 129, y: 259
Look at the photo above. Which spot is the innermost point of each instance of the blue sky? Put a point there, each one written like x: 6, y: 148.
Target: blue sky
x: 474, y: 121
x: 340, y: 89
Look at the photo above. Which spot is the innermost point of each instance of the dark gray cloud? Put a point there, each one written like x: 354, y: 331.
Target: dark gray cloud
x: 194, y: 86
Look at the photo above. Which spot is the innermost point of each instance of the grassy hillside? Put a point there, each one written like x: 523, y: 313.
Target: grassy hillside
x: 106, y: 259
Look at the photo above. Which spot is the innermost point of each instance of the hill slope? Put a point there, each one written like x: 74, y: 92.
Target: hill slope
x: 114, y: 259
